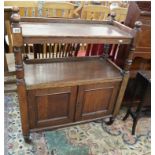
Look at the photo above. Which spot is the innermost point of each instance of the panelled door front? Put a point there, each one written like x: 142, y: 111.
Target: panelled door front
x: 96, y: 100
x: 50, y: 107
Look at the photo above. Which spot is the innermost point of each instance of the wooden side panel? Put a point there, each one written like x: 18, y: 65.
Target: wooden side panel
x: 141, y: 11
x: 51, y: 107
x: 96, y: 100
x: 144, y: 41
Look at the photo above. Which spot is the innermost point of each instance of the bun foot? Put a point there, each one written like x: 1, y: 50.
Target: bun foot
x: 27, y: 139
x: 110, y: 122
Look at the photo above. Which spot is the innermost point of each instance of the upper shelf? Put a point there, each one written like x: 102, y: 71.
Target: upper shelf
x: 43, y: 30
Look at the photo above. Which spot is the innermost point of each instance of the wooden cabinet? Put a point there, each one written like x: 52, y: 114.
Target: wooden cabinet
x: 85, y: 96
x: 65, y: 91
x: 58, y: 106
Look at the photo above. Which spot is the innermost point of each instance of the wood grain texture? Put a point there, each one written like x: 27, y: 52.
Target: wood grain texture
x: 72, y: 30
x: 53, y: 106
x: 45, y: 30
x: 55, y: 93
x: 72, y: 72
x: 121, y: 94
x: 96, y: 100
x: 67, y: 124
x: 22, y: 93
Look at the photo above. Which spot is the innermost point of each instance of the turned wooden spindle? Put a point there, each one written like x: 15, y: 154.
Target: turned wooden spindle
x: 17, y: 44
x: 21, y: 88
x: 126, y: 69
x: 128, y: 62
x: 106, y: 51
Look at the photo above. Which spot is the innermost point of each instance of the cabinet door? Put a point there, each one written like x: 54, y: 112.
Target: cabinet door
x: 49, y: 107
x: 96, y: 100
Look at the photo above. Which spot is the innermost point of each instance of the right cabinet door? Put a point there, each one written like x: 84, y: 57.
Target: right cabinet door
x: 96, y: 100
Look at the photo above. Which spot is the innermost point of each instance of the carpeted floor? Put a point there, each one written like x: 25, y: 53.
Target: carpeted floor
x: 85, y: 139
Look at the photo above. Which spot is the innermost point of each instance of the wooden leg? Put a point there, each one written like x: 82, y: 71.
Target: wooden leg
x: 111, y: 120
x: 6, y: 69
x: 121, y: 94
x: 25, y: 57
x: 134, y: 125
x: 27, y: 139
x: 136, y: 117
x: 22, y: 93
x: 127, y: 115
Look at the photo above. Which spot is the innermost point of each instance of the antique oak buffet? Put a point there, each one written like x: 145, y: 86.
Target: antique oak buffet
x: 60, y: 92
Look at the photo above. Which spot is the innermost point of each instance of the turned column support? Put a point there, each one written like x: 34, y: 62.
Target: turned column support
x: 127, y: 66
x: 106, y: 51
x: 128, y: 62
x: 107, y: 46
x: 21, y: 87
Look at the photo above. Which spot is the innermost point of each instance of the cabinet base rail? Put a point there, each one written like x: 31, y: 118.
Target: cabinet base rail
x: 27, y: 137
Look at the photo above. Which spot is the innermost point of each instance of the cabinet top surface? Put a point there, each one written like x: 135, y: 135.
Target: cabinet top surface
x: 30, y: 29
x: 69, y: 73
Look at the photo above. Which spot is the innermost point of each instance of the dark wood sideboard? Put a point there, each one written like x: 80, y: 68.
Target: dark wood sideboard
x: 60, y: 92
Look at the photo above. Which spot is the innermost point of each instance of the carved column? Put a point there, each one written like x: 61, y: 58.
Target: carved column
x: 128, y: 63
x: 21, y: 87
x: 107, y: 47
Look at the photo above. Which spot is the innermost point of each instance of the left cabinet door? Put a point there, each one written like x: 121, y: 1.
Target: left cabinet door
x: 51, y: 107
